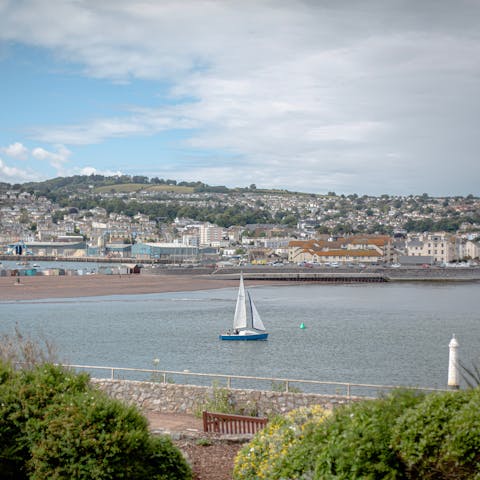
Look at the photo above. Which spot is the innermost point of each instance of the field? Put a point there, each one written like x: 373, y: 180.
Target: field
x: 136, y: 187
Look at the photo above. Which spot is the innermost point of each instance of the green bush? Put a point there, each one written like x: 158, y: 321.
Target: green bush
x: 462, y: 451
x: 440, y: 438
x: 24, y: 395
x: 352, y: 443
x: 356, y: 441
x: 54, y: 425
x: 401, y: 436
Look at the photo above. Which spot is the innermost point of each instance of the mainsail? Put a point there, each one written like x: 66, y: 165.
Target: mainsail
x: 240, y: 318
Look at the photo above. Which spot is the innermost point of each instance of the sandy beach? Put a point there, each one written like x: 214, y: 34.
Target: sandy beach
x: 38, y: 287
x: 41, y: 287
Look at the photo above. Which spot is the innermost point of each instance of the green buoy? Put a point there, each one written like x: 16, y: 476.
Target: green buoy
x: 302, y: 326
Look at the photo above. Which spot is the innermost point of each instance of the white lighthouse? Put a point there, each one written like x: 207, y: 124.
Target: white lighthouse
x: 453, y: 380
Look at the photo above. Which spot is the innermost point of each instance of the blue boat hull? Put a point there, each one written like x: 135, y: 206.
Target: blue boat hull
x: 256, y: 336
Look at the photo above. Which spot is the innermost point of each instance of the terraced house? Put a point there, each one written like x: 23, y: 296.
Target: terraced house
x: 368, y: 249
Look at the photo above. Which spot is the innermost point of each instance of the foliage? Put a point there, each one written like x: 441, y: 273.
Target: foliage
x: 203, y: 442
x: 24, y: 396
x: 222, y: 401
x: 19, y: 348
x: 53, y: 424
x: 219, y: 402
x: 356, y: 440
x: 96, y: 437
x: 282, y: 387
x: 352, y: 443
x: 279, y: 451
x: 471, y: 375
x: 462, y: 451
x: 401, y: 436
x: 440, y: 438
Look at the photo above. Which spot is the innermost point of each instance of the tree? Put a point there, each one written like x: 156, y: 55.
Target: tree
x: 24, y: 217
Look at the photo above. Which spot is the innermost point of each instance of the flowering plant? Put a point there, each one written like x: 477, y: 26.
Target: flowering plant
x: 275, y: 451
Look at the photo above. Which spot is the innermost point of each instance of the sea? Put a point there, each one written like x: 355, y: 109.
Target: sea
x: 384, y: 334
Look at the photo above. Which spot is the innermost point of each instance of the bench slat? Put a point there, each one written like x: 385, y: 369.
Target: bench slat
x: 232, y: 424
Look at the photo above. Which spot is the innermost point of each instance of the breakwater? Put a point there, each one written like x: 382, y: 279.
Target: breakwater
x: 173, y: 398
x: 372, y: 274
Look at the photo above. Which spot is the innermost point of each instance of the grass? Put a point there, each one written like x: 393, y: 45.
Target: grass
x: 136, y: 187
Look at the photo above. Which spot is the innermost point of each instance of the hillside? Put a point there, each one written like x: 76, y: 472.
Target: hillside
x: 128, y: 184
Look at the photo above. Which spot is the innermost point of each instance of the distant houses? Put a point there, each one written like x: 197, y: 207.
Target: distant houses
x: 343, y: 250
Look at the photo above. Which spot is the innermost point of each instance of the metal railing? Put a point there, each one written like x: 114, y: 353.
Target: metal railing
x: 344, y: 389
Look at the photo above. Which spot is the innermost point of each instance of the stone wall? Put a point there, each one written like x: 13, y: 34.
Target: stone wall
x: 173, y: 398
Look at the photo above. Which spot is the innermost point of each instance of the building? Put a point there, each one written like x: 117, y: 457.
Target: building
x: 51, y: 249
x: 439, y: 246
x: 472, y: 249
x: 173, y: 252
x: 355, y: 249
x: 210, y: 234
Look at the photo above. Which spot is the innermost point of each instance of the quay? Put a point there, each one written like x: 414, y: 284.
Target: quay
x: 323, y: 277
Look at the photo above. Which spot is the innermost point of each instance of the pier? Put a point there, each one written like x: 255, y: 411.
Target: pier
x: 319, y: 277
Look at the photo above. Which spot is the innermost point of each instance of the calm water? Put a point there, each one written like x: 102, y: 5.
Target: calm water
x: 375, y: 333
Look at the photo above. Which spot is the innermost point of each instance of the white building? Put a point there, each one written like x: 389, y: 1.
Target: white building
x: 472, y: 249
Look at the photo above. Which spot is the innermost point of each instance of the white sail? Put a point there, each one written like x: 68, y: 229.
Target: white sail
x: 240, y: 318
x: 257, y: 323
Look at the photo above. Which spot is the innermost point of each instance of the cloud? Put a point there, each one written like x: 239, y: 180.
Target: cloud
x: 95, y: 171
x: 55, y: 159
x: 14, y: 175
x: 16, y: 150
x: 341, y: 92
x: 139, y: 122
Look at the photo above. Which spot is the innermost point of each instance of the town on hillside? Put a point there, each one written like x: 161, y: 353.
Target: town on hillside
x: 189, y: 224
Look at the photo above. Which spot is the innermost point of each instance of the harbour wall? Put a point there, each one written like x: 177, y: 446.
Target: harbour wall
x: 191, y: 399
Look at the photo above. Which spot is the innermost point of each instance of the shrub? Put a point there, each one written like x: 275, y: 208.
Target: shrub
x: 356, y: 440
x: 91, y: 436
x: 24, y: 396
x: 54, y: 425
x: 279, y: 451
x: 461, y: 452
x: 220, y: 402
x: 352, y: 443
x: 439, y: 438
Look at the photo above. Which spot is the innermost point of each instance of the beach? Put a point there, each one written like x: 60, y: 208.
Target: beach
x: 71, y: 286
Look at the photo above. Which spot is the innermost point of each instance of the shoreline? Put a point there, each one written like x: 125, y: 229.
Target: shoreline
x: 40, y: 287
x: 73, y: 286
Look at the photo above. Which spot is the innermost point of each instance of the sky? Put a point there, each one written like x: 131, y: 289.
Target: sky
x: 352, y: 96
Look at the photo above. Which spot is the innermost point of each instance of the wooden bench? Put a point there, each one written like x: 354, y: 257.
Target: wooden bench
x: 232, y: 424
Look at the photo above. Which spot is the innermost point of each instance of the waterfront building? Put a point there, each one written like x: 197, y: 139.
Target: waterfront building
x: 472, y: 249
x: 355, y: 249
x: 439, y: 246
x: 166, y: 251
x: 53, y: 249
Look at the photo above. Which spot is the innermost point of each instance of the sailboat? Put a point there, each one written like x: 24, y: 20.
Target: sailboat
x: 247, y: 324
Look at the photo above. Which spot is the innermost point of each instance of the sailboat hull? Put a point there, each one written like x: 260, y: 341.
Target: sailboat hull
x: 251, y: 336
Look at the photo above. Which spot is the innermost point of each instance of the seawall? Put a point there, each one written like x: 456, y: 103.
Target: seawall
x: 173, y: 398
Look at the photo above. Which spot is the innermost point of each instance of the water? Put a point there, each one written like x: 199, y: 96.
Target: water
x: 370, y: 333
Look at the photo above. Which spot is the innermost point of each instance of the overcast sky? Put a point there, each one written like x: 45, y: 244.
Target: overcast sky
x: 366, y: 97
